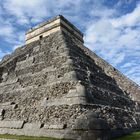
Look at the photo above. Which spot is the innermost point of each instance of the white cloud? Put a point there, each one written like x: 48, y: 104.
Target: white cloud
x: 130, y: 19
x: 102, y: 37
x: 132, y: 70
x: 34, y: 11
x: 128, y: 64
x: 100, y: 11
x: 6, y: 31
x: 26, y: 10
x: 0, y: 11
x: 114, y: 39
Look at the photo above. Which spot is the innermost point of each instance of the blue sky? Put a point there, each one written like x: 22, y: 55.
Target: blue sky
x: 111, y: 27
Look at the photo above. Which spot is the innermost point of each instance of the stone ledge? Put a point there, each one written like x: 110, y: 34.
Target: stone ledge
x: 32, y: 126
x: 59, y: 126
x: 58, y: 23
x: 9, y: 82
x: 12, y: 124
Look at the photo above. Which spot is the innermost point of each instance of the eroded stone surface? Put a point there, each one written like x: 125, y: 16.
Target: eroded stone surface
x: 11, y: 124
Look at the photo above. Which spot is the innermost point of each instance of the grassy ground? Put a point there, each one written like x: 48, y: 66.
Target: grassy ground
x: 26, y: 137
x: 133, y: 136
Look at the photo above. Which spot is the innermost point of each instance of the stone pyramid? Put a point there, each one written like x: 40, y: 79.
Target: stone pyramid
x: 56, y: 87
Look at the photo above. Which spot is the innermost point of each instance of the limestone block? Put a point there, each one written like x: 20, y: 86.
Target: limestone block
x: 1, y: 118
x: 91, y: 114
x: 30, y: 126
x: 66, y: 54
x: 10, y: 81
x: 48, y: 69
x: 11, y: 124
x: 59, y: 126
x: 2, y: 112
x: 53, y: 102
x: 51, y: 78
x: 91, y: 124
x: 26, y: 63
x: 72, y: 93
x: 8, y: 105
x: 75, y: 100
x: 14, y: 106
x: 44, y: 102
x: 70, y: 76
x: 46, y: 126
x: 14, y: 80
x: 78, y: 92
x: 4, y: 76
x: 63, y: 101
x: 5, y: 104
x: 55, y: 126
x: 36, y: 49
x: 80, y: 89
x: 69, y: 62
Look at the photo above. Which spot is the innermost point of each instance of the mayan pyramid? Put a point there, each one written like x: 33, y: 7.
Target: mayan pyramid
x: 56, y: 87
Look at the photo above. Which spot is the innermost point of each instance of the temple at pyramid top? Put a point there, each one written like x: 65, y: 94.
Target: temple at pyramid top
x: 50, y: 26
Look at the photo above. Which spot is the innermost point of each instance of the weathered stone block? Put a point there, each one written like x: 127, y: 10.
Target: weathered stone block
x: 11, y: 124
x: 55, y: 126
x: 2, y: 111
x: 32, y: 126
x: 91, y: 124
x: 46, y: 126
x: 71, y: 76
x: 79, y: 91
x: 36, y: 49
x: 59, y: 126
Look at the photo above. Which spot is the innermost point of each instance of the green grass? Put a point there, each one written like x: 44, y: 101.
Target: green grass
x: 133, y: 136
x: 26, y: 137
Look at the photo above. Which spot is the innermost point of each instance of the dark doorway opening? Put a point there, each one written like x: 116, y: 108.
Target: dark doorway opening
x: 40, y: 37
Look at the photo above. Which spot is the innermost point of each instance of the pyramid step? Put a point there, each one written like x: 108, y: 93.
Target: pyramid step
x: 10, y: 87
x: 63, y: 74
x: 111, y: 98
x: 56, y: 62
x: 99, y: 82
x: 11, y: 124
x: 94, y: 75
x: 54, y: 90
x: 31, y: 69
x: 9, y: 82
